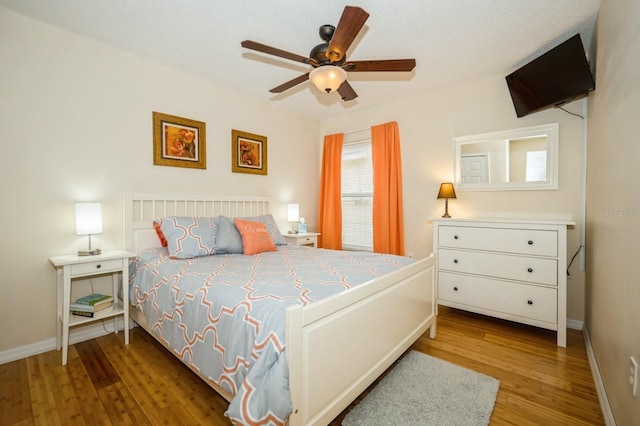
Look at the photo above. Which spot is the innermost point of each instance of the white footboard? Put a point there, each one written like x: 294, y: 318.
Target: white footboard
x: 338, y: 346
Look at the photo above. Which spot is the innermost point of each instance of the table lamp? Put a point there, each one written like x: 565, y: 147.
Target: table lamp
x: 88, y: 221
x: 293, y: 216
x: 446, y: 191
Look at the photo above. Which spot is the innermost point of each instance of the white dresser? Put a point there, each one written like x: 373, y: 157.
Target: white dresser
x: 510, y: 269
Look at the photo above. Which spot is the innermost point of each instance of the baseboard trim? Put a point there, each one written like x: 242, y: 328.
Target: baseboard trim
x: 609, y: 420
x: 575, y: 324
x: 76, y: 335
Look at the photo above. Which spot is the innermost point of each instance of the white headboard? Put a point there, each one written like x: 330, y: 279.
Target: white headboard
x: 141, y: 209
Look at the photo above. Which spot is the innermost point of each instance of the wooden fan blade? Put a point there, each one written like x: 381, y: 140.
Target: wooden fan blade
x: 346, y: 92
x: 351, y: 22
x: 382, y: 65
x: 276, y: 52
x: 289, y: 84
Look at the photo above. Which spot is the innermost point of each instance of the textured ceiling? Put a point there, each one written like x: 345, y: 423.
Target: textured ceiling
x: 453, y: 41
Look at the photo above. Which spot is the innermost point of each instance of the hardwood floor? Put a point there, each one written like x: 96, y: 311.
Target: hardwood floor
x: 107, y: 383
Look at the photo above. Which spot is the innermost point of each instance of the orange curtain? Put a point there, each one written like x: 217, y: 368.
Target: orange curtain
x: 330, y: 203
x: 388, y: 226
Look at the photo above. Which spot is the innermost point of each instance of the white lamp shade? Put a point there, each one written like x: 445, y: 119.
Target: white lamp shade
x: 293, y: 212
x: 88, y: 218
x: 328, y: 77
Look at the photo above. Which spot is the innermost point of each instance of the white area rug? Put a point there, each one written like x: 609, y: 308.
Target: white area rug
x: 423, y: 390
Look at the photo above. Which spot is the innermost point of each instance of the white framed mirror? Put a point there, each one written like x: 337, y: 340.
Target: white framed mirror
x: 517, y: 159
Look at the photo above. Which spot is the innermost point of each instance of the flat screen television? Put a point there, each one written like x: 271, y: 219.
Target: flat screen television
x: 559, y: 76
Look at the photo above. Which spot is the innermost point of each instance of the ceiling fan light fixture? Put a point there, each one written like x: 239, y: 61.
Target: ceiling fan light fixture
x: 328, y: 78
x: 328, y: 59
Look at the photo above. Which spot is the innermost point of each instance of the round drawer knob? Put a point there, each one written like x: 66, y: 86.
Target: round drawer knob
x: 455, y: 288
x: 530, y: 242
x: 529, y: 269
x: 98, y: 266
x: 530, y: 302
x: 455, y: 260
x: 455, y: 237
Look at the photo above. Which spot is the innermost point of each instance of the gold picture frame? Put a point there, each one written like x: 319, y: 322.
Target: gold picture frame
x: 248, y: 153
x: 178, y: 142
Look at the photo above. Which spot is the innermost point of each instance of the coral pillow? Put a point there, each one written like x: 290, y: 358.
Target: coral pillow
x: 255, y: 237
x: 157, y: 225
x: 272, y: 227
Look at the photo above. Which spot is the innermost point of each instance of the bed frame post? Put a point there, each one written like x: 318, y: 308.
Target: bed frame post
x: 293, y: 341
x: 127, y: 238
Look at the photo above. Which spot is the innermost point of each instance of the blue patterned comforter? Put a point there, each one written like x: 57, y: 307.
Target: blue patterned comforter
x: 224, y: 315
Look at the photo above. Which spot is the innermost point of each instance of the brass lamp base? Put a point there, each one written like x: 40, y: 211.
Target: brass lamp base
x: 446, y: 208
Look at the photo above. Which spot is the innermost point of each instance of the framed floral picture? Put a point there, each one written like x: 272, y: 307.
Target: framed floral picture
x: 248, y: 153
x: 178, y: 142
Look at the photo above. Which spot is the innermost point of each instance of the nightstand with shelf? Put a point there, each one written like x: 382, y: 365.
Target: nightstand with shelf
x: 73, y: 267
x: 307, y: 239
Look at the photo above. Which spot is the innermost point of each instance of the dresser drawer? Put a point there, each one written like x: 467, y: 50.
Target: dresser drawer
x: 510, y: 267
x: 522, y: 300
x: 98, y: 266
x: 523, y: 241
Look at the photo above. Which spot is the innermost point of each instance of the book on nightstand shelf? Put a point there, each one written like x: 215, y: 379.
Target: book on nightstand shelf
x: 89, y: 308
x: 94, y: 299
x: 88, y: 305
x: 91, y: 314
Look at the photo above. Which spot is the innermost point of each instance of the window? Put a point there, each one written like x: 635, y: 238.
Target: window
x: 357, y: 196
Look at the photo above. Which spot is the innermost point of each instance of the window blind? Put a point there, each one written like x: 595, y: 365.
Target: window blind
x: 357, y: 196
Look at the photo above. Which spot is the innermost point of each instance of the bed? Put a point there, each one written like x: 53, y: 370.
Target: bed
x: 378, y: 319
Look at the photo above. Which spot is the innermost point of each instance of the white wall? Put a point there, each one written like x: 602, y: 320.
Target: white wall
x: 613, y: 207
x: 429, y: 122
x: 77, y: 126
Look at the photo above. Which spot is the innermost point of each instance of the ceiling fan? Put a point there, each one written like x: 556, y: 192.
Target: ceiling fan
x: 329, y: 60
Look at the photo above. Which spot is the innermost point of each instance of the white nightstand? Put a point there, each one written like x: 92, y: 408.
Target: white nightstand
x: 308, y: 239
x: 71, y: 267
